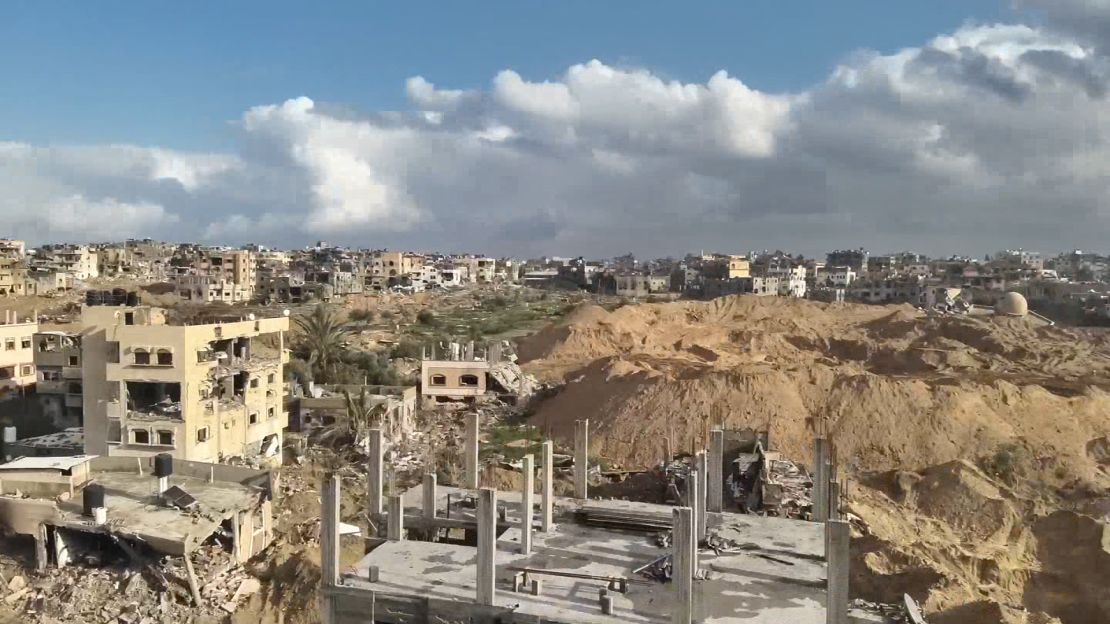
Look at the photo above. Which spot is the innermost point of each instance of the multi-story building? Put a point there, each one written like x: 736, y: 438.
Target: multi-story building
x: 115, y: 260
x: 15, y: 279
x: 17, y: 361
x: 482, y: 270
x: 79, y: 260
x: 855, y: 259
x: 58, y: 363
x: 11, y: 248
x: 720, y: 266
x: 229, y: 266
x: 200, y: 392
x: 207, y: 289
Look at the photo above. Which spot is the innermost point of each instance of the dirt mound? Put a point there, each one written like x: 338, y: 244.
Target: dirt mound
x: 979, y: 424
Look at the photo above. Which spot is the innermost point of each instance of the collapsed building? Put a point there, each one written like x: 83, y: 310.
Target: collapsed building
x: 326, y: 406
x: 471, y: 554
x: 86, y: 508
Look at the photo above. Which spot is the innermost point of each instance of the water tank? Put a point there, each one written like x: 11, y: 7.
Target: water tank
x: 92, y: 496
x: 163, y: 465
x: 133, y: 299
x: 1011, y: 304
x: 93, y: 298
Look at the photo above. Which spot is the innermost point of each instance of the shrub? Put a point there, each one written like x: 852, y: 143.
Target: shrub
x: 387, y: 315
x: 407, y: 348
x: 426, y: 317
x: 362, y: 315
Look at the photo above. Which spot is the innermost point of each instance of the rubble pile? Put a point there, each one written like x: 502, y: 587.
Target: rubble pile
x: 152, y: 592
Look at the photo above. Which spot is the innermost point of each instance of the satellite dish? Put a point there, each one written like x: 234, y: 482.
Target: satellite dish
x: 285, y: 312
x: 250, y: 317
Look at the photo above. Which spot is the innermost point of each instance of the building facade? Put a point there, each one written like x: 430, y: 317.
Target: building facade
x: 17, y: 360
x: 57, y: 359
x: 199, y: 392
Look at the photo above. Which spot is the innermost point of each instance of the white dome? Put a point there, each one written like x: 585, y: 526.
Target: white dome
x: 1012, y: 304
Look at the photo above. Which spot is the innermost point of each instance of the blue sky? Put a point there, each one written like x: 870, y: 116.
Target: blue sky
x: 566, y: 128
x: 175, y: 74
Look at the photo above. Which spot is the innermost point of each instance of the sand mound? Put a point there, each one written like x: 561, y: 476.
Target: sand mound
x: 925, y: 400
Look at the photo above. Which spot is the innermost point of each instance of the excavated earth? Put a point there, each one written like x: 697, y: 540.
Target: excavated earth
x: 976, y: 448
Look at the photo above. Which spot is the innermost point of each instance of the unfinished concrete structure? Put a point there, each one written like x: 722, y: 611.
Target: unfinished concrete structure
x: 395, y: 405
x: 473, y: 555
x: 199, y: 392
x: 71, y: 504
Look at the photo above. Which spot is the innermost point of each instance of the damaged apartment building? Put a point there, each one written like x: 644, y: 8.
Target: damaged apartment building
x: 203, y: 392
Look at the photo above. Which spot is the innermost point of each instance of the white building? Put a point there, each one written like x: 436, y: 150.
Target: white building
x: 840, y: 276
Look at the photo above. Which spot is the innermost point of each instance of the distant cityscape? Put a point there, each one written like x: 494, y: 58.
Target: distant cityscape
x: 1070, y: 287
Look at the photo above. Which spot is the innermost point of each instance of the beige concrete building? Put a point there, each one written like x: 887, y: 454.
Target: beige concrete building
x: 17, y: 361
x: 453, y: 380
x: 205, y: 288
x: 15, y: 279
x: 79, y: 260
x: 11, y: 248
x: 57, y: 359
x: 231, y: 273
x: 198, y: 392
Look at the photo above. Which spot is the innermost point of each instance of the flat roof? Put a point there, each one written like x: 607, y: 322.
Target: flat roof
x: 775, y: 574
x: 46, y: 463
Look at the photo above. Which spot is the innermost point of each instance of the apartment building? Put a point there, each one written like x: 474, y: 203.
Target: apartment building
x: 15, y: 278
x: 11, y: 248
x: 207, y: 289
x: 199, y: 392
x: 57, y: 360
x: 482, y: 270
x: 234, y: 267
x: 17, y: 361
x: 79, y: 260
x: 726, y: 267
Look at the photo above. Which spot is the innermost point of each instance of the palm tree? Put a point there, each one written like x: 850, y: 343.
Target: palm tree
x: 362, y: 415
x: 323, y: 337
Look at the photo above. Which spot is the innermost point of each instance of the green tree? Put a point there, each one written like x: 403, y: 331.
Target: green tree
x: 323, y: 342
x: 362, y: 415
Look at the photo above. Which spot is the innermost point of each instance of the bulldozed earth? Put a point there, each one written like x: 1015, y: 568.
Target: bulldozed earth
x: 975, y: 447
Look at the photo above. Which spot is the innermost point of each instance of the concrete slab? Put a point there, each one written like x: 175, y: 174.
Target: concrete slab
x: 133, y: 509
x: 756, y: 586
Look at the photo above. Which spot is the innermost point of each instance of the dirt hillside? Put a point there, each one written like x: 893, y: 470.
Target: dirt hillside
x: 966, y: 438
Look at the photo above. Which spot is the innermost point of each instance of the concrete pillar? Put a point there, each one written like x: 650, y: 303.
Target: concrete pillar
x: 329, y: 532
x: 836, y: 599
x: 487, y: 546
x: 547, y: 499
x: 715, y: 480
x: 834, y: 500
x: 703, y: 493
x: 396, y: 525
x: 526, y: 504
x: 430, y: 495
x: 682, y: 550
x: 374, y: 477
x: 696, y: 502
x: 581, y: 457
x: 820, y: 480
x: 471, y: 452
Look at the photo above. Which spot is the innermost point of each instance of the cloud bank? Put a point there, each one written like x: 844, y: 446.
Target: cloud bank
x: 990, y: 136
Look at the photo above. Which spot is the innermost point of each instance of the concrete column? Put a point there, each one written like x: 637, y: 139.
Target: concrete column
x: 820, y: 480
x: 487, y: 546
x: 697, y: 503
x: 682, y: 551
x: 374, y: 477
x: 430, y: 495
x: 471, y: 452
x: 834, y: 500
x: 581, y: 457
x: 526, y: 503
x: 547, y: 499
x: 715, y: 480
x: 836, y: 599
x: 329, y: 532
x: 396, y: 525
x: 703, y: 493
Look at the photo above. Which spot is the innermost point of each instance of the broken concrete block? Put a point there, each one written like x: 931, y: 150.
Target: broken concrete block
x: 17, y: 583
x: 247, y: 587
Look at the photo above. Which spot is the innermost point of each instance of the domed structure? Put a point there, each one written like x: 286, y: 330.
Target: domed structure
x: 1012, y: 304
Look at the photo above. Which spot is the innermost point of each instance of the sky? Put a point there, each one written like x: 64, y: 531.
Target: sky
x: 529, y: 128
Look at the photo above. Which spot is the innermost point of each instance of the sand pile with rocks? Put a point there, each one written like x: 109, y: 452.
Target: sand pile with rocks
x: 965, y: 437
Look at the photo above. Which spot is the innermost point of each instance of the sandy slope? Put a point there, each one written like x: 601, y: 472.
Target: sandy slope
x: 914, y: 406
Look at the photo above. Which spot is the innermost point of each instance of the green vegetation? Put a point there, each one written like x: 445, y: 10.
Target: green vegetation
x: 512, y: 441
x: 322, y: 354
x: 494, y: 315
x: 362, y: 316
x: 1006, y: 463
